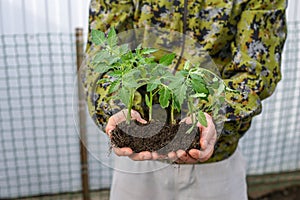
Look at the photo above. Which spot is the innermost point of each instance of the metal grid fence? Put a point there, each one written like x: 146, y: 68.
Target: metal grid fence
x: 39, y: 145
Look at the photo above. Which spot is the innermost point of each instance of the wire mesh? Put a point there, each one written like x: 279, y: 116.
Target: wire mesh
x: 39, y: 151
x: 38, y: 155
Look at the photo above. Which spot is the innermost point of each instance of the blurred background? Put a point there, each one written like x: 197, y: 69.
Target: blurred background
x: 41, y: 155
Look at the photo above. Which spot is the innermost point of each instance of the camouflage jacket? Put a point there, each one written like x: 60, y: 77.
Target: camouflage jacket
x: 244, y: 38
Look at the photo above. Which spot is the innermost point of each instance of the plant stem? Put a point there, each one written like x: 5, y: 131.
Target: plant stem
x: 128, y: 118
x: 172, y: 113
x: 190, y: 105
x: 150, y: 106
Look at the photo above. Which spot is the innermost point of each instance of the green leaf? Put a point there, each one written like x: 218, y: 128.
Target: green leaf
x: 98, y: 37
x: 123, y: 49
x: 115, y: 73
x: 199, y: 87
x: 196, y: 77
x: 139, y: 47
x: 221, y: 88
x: 114, y: 86
x: 199, y: 95
x: 112, y: 38
x: 102, y: 68
x: 147, y: 100
x: 175, y: 81
x: 177, y: 105
x: 131, y: 74
x: 101, y: 56
x: 124, y: 96
x: 186, y: 65
x: 130, y: 83
x: 151, y: 86
x: 201, y: 118
x: 180, y: 93
x: 151, y: 61
x: 164, y: 96
x: 103, y: 80
x: 183, y: 73
x: 167, y: 59
x: 146, y: 51
x: 112, y: 60
x: 130, y: 79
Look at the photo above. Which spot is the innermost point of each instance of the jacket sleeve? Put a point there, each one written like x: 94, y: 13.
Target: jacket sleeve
x: 256, y: 59
x: 103, y: 14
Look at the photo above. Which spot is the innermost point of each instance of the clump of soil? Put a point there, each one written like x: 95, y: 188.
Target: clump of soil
x: 155, y: 136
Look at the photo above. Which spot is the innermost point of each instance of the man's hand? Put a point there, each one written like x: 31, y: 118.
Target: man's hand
x: 207, y: 141
x: 126, y: 151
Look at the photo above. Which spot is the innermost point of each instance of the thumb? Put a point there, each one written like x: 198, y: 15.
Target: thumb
x: 141, y: 120
x: 135, y: 115
x: 109, y: 129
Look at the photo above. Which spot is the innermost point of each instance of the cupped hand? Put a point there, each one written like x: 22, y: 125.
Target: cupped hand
x: 208, y: 138
x: 119, y: 117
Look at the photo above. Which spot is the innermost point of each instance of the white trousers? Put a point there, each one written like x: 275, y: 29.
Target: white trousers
x: 154, y: 180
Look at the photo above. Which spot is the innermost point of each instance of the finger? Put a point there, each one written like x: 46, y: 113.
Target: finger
x: 202, y: 155
x: 172, y: 156
x: 188, y: 120
x: 208, y: 137
x: 144, y: 155
x: 111, y: 125
x: 141, y: 120
x: 125, y: 151
x: 207, y: 133
x: 120, y: 116
x: 108, y: 129
x: 195, y: 154
x: 206, y: 154
x: 157, y: 156
x: 114, y: 120
x: 135, y: 115
x: 184, y: 157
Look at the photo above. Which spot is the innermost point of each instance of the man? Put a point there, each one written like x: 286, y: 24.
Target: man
x: 245, y: 39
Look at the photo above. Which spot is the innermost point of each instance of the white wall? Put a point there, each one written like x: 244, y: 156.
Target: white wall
x: 42, y: 16
x: 293, y: 13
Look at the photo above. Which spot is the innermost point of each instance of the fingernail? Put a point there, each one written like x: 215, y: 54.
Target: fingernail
x: 109, y: 133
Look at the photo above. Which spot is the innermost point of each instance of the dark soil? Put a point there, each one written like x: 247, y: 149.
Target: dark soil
x: 155, y: 136
x: 290, y: 193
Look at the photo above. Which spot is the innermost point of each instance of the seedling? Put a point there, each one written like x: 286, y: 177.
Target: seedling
x: 129, y: 70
